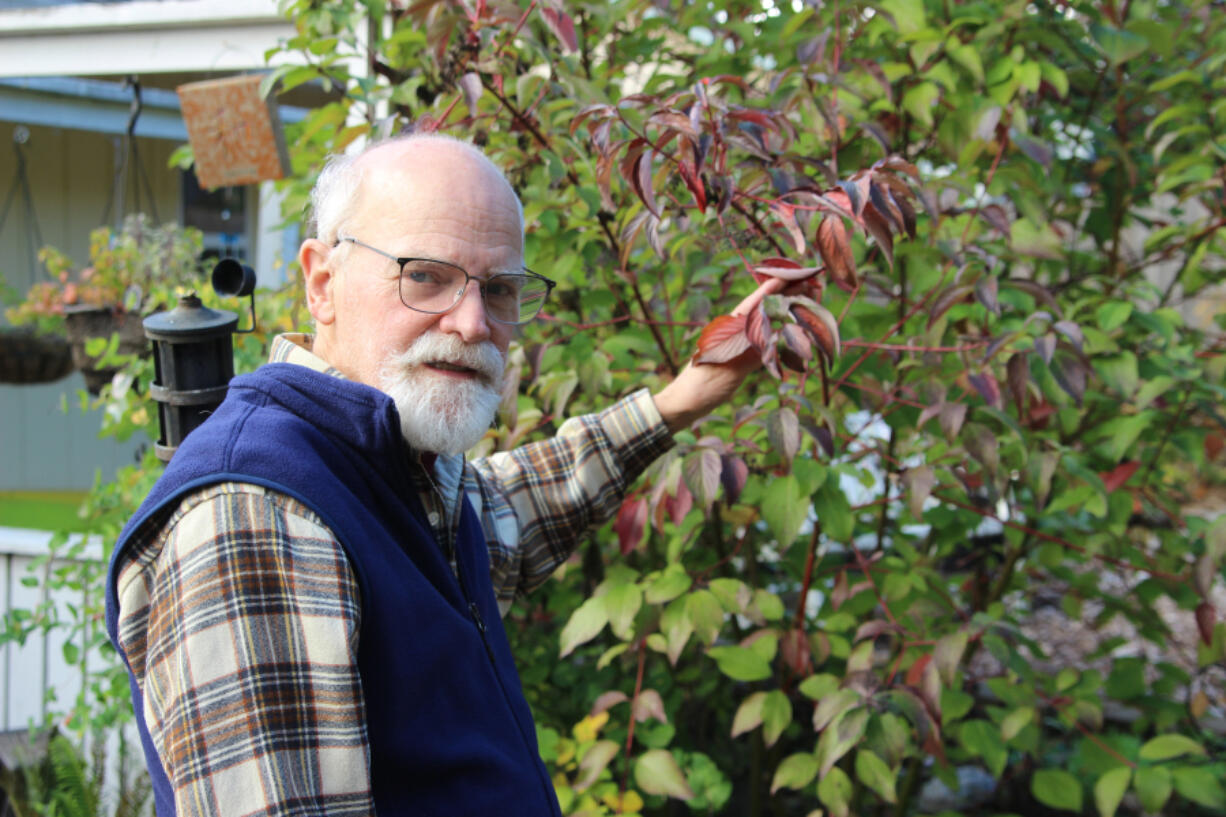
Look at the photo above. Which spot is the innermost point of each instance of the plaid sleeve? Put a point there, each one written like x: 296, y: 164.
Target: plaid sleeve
x: 240, y: 623
x: 538, y: 501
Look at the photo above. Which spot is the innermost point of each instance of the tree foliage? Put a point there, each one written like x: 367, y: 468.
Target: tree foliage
x: 981, y: 405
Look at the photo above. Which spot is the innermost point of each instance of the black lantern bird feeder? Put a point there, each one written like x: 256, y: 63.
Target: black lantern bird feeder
x: 193, y: 355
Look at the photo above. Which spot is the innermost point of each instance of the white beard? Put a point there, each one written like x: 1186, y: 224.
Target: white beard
x: 439, y: 413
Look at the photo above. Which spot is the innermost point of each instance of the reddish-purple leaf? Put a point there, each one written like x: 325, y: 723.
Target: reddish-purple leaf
x: 643, y: 183
x: 880, y: 198
x: 839, y: 593
x: 1071, y: 331
x: 797, y: 341
x: 1206, y: 618
x: 899, y: 163
x: 758, y: 330
x: 673, y: 119
x: 648, y: 704
x: 879, y: 229
x: 906, y: 210
x: 835, y: 249
x: 630, y: 524
x: 1114, y: 479
x: 985, y: 292
x: 821, y: 326
x: 947, y: 299
x: 951, y: 418
x: 784, y: 269
x: 795, y: 652
x: 701, y: 469
x: 470, y: 85
x: 1071, y: 373
x: 783, y: 431
x: 872, y: 629
x: 607, y: 700
x: 985, y: 383
x: 1045, y: 345
x: 733, y: 476
x: 812, y: 50
x: 722, y: 340
x: 919, y: 483
x: 929, y: 411
x: 603, y: 109
x: 563, y: 27
x: 995, y: 215
x: 1034, y: 290
x: 1018, y: 370
x: 679, y: 505
x: 874, y: 70
x: 694, y: 182
x: 786, y: 214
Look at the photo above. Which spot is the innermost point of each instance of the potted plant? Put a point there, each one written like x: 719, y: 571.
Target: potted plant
x: 129, y: 273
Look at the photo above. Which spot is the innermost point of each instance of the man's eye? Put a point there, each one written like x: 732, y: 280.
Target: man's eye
x: 501, y: 288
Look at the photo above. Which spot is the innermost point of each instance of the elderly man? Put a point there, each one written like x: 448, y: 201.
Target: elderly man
x: 308, y: 600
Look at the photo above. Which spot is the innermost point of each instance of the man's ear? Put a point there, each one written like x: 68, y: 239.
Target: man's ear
x: 318, y: 279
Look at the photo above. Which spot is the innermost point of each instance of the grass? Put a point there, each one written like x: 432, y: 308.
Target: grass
x: 41, y: 510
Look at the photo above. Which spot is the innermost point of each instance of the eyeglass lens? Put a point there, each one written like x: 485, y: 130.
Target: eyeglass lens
x: 433, y: 286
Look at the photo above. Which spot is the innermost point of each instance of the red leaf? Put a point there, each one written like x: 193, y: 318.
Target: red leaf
x: 678, y: 506
x: 835, y: 250
x: 642, y: 182
x: 797, y: 341
x: 1114, y: 479
x: 821, y: 326
x: 839, y: 593
x: 795, y: 651
x: 758, y: 330
x: 786, y: 214
x: 562, y: 26
x: 733, y: 476
x: 722, y: 339
x: 915, y: 674
x: 950, y: 297
x: 607, y: 700
x: 630, y: 523
x: 694, y: 182
x: 1206, y: 618
x: 784, y: 269
x: 879, y: 229
x: 1018, y: 371
x: 995, y: 215
x: 988, y: 388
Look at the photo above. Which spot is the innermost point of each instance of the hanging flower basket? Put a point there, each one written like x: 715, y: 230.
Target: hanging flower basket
x: 28, y: 357
x: 83, y: 323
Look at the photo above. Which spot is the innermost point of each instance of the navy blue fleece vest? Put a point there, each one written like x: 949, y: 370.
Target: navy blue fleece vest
x: 450, y: 732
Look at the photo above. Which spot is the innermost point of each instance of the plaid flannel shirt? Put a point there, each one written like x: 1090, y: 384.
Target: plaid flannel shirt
x: 240, y: 615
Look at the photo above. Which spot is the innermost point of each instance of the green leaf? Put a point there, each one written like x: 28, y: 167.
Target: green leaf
x: 657, y: 772
x: 840, y: 737
x: 834, y: 790
x: 833, y: 511
x: 874, y: 773
x: 947, y: 654
x: 748, y: 714
x: 1165, y: 747
x: 1200, y: 785
x: 954, y: 704
x: 1057, y: 789
x: 740, y: 663
x: 1117, y: 44
x: 768, y: 604
x: 1015, y: 721
x: 795, y: 772
x: 1120, y: 372
x: 622, y: 603
x: 817, y: 687
x: 584, y: 624
x: 919, y: 101
x: 1153, y: 787
x: 705, y: 614
x: 1112, y: 315
x: 982, y: 739
x: 672, y: 582
x: 785, y: 508
x: 776, y: 715
x: 1109, y: 790
x: 594, y: 762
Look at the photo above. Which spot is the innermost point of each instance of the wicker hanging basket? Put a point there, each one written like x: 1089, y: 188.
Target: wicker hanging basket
x: 28, y: 358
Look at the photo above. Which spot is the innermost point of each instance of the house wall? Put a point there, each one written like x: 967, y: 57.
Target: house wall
x: 71, y: 176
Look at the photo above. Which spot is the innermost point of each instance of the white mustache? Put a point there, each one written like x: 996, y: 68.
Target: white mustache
x: 438, y: 347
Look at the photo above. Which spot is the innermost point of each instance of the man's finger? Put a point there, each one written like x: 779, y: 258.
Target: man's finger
x: 770, y: 286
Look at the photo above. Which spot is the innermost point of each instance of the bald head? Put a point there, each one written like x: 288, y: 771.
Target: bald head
x: 414, y: 158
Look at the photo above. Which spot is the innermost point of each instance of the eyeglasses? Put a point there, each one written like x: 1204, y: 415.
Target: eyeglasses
x: 435, y: 287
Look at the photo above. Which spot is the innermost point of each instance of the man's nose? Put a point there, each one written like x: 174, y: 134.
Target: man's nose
x: 468, y: 318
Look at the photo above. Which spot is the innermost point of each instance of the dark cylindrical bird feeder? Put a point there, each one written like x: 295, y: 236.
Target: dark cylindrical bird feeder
x: 193, y: 357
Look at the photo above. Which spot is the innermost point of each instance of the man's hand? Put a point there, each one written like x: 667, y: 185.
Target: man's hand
x: 702, y: 388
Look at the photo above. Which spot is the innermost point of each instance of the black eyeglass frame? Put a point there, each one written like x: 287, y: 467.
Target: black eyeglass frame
x: 401, y: 261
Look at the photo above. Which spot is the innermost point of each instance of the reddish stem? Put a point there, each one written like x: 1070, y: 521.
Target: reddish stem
x: 638, y: 688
